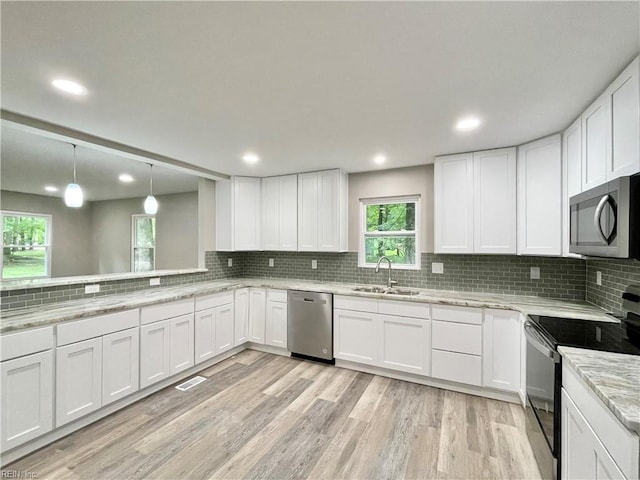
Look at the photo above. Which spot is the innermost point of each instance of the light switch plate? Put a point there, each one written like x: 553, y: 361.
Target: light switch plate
x: 95, y: 288
x: 314, y: 264
x: 230, y: 262
x: 535, y: 273
x: 437, y: 267
x: 271, y: 262
x: 154, y: 281
x: 598, y: 278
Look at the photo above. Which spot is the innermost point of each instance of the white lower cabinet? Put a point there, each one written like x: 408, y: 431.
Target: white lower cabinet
x: 241, y: 316
x: 26, y: 399
x: 205, y: 339
x: 224, y: 328
x: 78, y: 380
x: 120, y: 364
x: 404, y: 344
x: 181, y: 343
x: 276, y: 319
x: 257, y: 314
x: 355, y: 336
x: 456, y: 367
x: 501, y: 345
x: 155, y: 348
x: 214, y: 326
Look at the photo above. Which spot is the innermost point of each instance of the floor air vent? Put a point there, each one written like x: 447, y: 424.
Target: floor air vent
x: 190, y: 383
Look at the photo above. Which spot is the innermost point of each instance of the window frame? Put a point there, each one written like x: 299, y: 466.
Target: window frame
x: 363, y: 234
x: 134, y: 217
x: 47, y: 245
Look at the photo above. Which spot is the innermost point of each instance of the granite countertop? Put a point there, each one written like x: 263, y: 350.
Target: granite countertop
x: 614, y: 377
x: 51, y: 314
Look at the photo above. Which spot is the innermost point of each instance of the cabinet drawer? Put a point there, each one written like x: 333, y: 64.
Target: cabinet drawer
x: 214, y: 300
x: 457, y: 337
x: 73, y: 332
x: 360, y: 304
x: 404, y: 309
x: 457, y: 367
x: 162, y: 311
x: 276, y: 295
x: 18, y: 344
x: 457, y: 314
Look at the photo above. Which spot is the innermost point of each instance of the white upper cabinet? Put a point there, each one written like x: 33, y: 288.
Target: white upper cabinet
x: 571, y: 175
x: 280, y: 213
x: 595, y: 144
x: 475, y: 202
x: 494, y: 194
x: 238, y: 214
x: 322, y: 211
x: 540, y: 197
x: 453, y: 204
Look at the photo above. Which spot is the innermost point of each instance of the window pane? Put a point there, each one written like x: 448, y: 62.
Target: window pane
x: 401, y: 250
x: 145, y: 232
x: 391, y: 217
x: 23, y: 230
x: 23, y: 262
x: 143, y: 259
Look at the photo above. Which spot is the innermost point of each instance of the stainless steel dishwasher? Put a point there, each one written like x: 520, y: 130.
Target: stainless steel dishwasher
x: 310, y: 325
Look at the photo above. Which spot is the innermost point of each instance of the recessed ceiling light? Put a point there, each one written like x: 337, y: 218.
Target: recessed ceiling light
x: 125, y: 177
x: 69, y: 86
x: 50, y: 188
x: 468, y: 123
x: 250, y: 158
x: 379, y: 159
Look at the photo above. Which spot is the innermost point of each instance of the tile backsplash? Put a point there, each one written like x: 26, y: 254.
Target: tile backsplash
x: 616, y: 275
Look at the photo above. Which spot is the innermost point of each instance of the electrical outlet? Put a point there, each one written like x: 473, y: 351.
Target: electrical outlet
x: 437, y: 267
x: 271, y: 262
x: 230, y: 262
x: 314, y: 264
x: 535, y: 273
x: 598, y: 278
x: 95, y: 288
x: 154, y: 281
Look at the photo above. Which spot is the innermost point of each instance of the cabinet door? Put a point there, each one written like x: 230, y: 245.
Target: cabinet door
x: 288, y: 218
x: 523, y: 363
x: 78, y: 380
x: 404, y: 344
x: 246, y: 221
x: 270, y: 234
x: 540, y: 197
x: 26, y: 398
x: 155, y: 347
x: 308, y: 212
x: 571, y: 172
x: 501, y: 346
x: 494, y: 194
x: 356, y: 336
x: 205, y: 335
x: 120, y: 364
x: 257, y: 315
x: 181, y: 338
x: 624, y: 102
x: 276, y: 324
x: 224, y: 328
x: 595, y: 143
x: 453, y: 204
x: 241, y: 316
x: 328, y: 211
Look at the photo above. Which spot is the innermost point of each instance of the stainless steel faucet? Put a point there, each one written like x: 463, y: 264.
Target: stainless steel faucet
x: 389, y: 281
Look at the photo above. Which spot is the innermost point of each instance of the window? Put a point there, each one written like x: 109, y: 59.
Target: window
x: 143, y: 258
x: 389, y: 227
x: 26, y: 245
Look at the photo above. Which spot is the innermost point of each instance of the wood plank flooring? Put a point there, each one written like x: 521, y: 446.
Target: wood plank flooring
x: 266, y: 416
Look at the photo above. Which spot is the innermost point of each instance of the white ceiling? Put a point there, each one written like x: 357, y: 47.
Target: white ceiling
x: 311, y: 85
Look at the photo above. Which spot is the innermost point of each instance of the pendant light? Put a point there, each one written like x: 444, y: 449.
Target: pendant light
x: 73, y: 194
x: 150, y: 203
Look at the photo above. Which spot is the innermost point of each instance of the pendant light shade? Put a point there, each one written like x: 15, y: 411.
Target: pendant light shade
x: 73, y: 196
x: 150, y: 203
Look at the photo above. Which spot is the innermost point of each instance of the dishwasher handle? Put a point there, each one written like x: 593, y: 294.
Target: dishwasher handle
x: 308, y: 297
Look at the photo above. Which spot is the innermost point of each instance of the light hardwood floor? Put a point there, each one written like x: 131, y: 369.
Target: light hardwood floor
x: 266, y: 416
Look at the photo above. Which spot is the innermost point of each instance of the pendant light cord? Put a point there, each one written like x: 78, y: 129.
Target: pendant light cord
x: 151, y: 180
x: 74, y: 163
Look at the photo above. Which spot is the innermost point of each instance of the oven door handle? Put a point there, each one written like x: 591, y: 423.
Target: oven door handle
x: 535, y: 339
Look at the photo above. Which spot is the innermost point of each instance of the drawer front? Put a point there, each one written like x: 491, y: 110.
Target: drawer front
x: 457, y: 337
x: 80, y: 330
x: 456, y: 367
x: 404, y: 309
x: 214, y: 300
x: 162, y: 311
x: 457, y: 314
x: 360, y: 304
x: 274, y: 295
x: 19, y: 344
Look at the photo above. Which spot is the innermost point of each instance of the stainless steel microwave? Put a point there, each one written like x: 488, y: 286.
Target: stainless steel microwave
x: 605, y: 221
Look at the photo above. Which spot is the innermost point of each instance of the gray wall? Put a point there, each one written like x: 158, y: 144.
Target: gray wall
x: 395, y: 182
x: 71, y: 242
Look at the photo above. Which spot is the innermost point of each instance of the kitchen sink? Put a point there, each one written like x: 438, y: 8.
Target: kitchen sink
x: 370, y: 289
x: 386, y: 291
